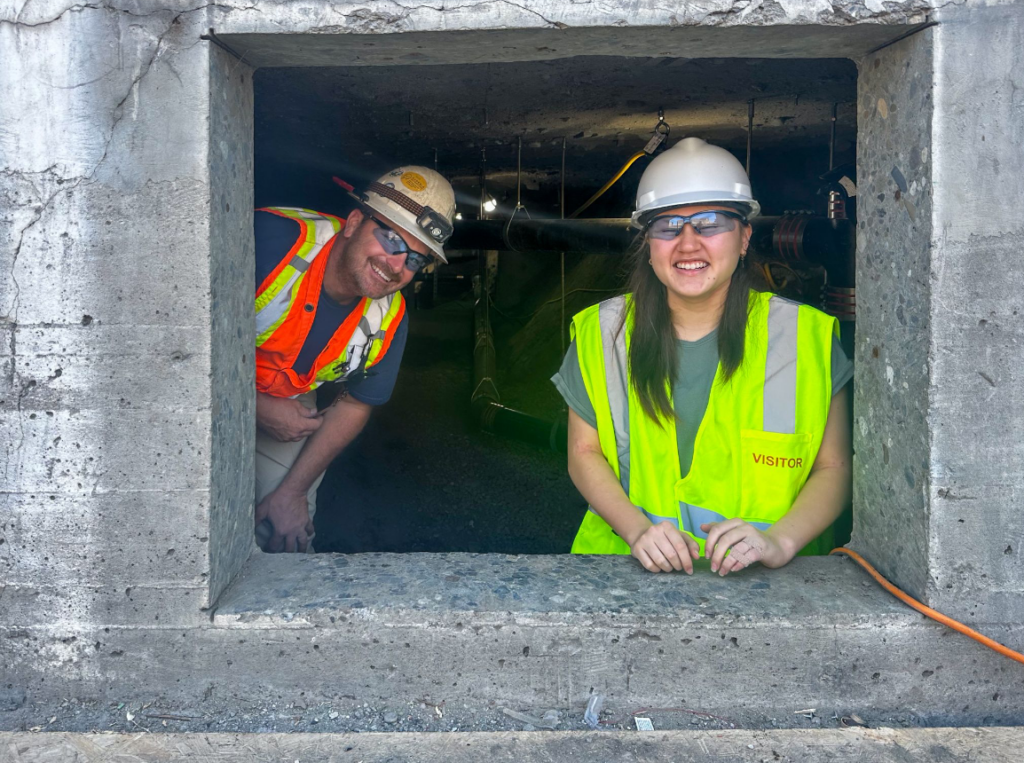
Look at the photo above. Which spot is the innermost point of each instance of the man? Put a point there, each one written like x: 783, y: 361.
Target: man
x: 329, y: 309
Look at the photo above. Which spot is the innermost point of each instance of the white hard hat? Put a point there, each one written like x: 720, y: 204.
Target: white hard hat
x: 693, y: 172
x: 416, y: 199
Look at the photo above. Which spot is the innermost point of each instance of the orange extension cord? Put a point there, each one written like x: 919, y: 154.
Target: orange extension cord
x: 928, y: 611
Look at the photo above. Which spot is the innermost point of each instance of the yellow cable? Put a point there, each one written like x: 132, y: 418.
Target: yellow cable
x: 609, y: 184
x: 928, y: 611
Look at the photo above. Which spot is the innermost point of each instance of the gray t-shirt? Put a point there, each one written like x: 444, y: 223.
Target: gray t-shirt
x: 698, y: 363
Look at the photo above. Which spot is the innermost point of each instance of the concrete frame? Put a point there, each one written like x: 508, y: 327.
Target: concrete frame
x: 127, y: 370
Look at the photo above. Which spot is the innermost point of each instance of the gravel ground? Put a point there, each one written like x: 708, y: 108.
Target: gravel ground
x: 345, y: 714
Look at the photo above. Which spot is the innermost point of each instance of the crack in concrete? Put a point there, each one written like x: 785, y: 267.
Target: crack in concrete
x: 11, y: 317
x: 118, y: 116
x: 376, y: 19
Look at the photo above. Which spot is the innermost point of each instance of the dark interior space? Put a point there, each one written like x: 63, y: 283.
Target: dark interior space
x: 424, y: 475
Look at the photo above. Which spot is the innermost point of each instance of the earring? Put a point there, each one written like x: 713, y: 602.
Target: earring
x: 650, y: 261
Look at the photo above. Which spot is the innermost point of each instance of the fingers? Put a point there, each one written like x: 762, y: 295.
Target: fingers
x: 276, y: 544
x: 738, y: 559
x: 264, y: 532
x: 668, y: 549
x: 691, y: 546
x: 311, y: 425
x: 644, y: 558
x: 296, y: 542
x: 715, y: 531
x: 658, y: 558
x: 683, y: 552
x: 725, y: 542
x: 662, y: 548
x: 306, y: 413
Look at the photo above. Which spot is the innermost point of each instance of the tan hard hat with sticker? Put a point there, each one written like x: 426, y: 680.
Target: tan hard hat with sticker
x: 425, y: 188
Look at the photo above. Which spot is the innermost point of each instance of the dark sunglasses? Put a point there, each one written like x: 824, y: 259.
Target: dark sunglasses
x: 709, y: 223
x: 392, y: 242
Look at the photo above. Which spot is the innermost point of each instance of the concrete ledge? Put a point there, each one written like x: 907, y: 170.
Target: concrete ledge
x: 983, y: 745
x: 548, y: 630
x: 483, y: 631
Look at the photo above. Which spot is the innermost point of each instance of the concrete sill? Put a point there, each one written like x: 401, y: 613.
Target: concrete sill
x: 304, y: 591
x: 545, y: 631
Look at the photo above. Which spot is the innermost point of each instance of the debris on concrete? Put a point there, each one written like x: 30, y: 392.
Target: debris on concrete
x: 592, y: 716
x: 643, y: 724
x: 548, y: 721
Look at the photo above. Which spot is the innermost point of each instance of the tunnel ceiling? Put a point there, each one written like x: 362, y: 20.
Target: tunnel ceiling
x: 356, y: 121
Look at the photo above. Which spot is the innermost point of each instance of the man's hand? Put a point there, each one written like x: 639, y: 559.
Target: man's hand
x: 662, y: 548
x: 285, y: 419
x: 745, y: 545
x: 289, y: 515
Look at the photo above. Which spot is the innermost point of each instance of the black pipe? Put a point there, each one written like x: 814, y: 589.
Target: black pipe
x: 508, y: 422
x: 596, y: 236
x: 610, y: 235
x: 821, y: 241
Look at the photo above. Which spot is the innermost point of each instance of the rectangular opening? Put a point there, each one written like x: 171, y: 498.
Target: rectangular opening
x: 423, y: 476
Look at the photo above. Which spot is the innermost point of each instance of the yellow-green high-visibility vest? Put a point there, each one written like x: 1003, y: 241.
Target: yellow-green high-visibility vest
x: 755, y: 445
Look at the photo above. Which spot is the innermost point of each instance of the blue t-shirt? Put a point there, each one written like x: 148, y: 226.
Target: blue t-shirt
x: 275, y: 236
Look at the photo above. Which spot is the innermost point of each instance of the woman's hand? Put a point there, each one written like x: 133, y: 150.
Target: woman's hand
x: 745, y: 545
x: 662, y: 548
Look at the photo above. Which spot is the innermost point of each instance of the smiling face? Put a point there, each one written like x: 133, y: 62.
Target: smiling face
x: 362, y: 268
x: 697, y: 268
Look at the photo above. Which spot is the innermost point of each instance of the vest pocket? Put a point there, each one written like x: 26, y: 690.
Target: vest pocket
x: 773, y: 468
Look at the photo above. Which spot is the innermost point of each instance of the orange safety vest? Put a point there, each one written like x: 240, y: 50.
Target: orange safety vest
x: 286, y: 305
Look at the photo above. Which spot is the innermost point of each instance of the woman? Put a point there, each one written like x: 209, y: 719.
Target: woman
x: 705, y: 417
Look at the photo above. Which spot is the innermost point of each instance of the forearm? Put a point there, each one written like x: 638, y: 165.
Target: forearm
x: 596, y: 481
x: 341, y: 423
x: 264, y: 407
x: 822, y: 499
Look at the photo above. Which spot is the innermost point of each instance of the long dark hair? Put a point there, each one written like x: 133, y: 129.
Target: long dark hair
x: 652, y: 351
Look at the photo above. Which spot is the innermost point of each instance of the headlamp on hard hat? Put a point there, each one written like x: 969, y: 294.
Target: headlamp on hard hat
x: 435, y: 225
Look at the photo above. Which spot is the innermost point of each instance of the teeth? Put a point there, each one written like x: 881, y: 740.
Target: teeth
x: 379, y: 272
x: 691, y: 265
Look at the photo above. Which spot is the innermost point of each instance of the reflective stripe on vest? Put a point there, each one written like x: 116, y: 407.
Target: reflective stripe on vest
x: 274, y: 297
x: 755, y: 417
x: 283, y: 317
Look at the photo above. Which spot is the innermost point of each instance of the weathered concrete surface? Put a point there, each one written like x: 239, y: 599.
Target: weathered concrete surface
x: 976, y: 417
x: 539, y: 632
x: 891, y: 437
x: 126, y: 391
x: 979, y: 745
x: 232, y: 358
x: 938, y: 429
x: 105, y: 426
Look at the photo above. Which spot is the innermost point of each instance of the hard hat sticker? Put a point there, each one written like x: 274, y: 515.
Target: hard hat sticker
x: 414, y: 181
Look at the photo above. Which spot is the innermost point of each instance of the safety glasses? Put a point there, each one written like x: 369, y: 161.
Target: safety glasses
x: 709, y: 223
x: 393, y: 243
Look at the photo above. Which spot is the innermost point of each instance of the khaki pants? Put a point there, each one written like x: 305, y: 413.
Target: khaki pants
x: 274, y: 459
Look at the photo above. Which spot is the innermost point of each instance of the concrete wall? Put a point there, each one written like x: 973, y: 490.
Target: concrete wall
x: 894, y: 121
x: 125, y: 275
x: 938, y: 411
x: 976, y: 417
x: 105, y: 297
